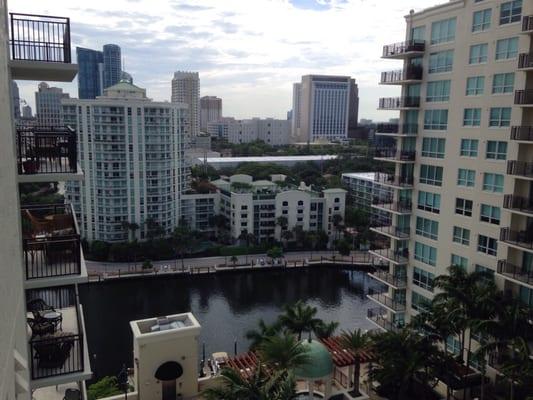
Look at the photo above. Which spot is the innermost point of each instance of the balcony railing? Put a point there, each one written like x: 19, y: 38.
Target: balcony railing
x: 399, y: 155
x: 42, y: 150
x: 399, y: 257
x: 397, y: 206
x: 518, y: 203
x: 51, y: 241
x: 406, y: 129
x: 402, y: 48
x: 395, y: 103
x: 401, y: 233
x: 524, y: 133
x: 39, y: 38
x: 377, y: 316
x: 514, y: 271
x: 523, y: 97
x: 525, y: 60
x: 520, y: 168
x: 411, y: 73
x: 527, y: 23
x: 399, y: 281
x: 386, y: 300
x: 61, y: 350
x: 518, y: 238
x: 395, y: 180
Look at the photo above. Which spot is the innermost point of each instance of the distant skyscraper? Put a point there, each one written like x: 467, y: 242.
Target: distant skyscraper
x: 353, y: 115
x: 112, y: 65
x: 210, y: 111
x: 16, y: 99
x: 186, y: 89
x: 90, y: 74
x: 48, y: 104
x: 26, y: 112
x: 296, y: 96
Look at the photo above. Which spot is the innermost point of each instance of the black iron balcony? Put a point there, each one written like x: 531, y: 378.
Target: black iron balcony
x: 404, y: 48
x: 525, y: 61
x: 523, y: 133
x: 523, y: 97
x: 387, y: 128
x: 394, y: 154
x: 394, y: 180
x: 397, y: 103
x: 386, y: 300
x: 39, y: 38
x: 406, y: 129
x: 43, y: 150
x: 398, y: 257
x: 56, y: 344
x: 377, y: 316
x: 522, y: 239
x: 51, y: 241
x: 411, y: 73
x: 403, y: 206
x: 527, y: 23
x: 509, y: 270
x: 399, y: 233
x: 397, y: 281
x: 520, y: 168
x: 518, y: 203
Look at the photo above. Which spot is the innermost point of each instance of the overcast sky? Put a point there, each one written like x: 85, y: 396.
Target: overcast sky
x: 248, y: 52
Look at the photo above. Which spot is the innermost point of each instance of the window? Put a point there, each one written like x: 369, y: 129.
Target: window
x: 469, y: 147
x: 461, y: 235
x: 475, y: 85
x: 506, y: 48
x: 418, y: 32
x: 423, y: 278
x: 463, y: 207
x: 503, y: 83
x: 426, y: 254
x: 492, y: 182
x: 436, y: 120
x: 510, y: 11
x: 431, y: 175
x: 453, y: 345
x: 490, y: 214
x: 478, y: 53
x: 428, y: 201
x: 481, y: 20
x: 441, y: 61
x: 443, y: 31
x: 438, y: 91
x: 487, y: 245
x: 459, y: 261
x: 472, y: 117
x: 500, y: 117
x: 466, y: 177
x: 427, y: 228
x: 433, y: 147
x: 420, y: 303
x: 496, y: 150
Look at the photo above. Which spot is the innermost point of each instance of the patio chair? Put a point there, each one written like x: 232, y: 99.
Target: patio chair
x: 53, y: 351
x: 40, y: 327
x: 38, y: 305
x: 72, y: 394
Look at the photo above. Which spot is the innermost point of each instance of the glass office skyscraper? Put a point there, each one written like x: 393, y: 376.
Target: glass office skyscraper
x: 97, y: 70
x: 112, y: 65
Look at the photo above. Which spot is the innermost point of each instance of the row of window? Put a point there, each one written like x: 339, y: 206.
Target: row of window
x: 432, y: 175
x: 437, y: 119
x: 435, y: 148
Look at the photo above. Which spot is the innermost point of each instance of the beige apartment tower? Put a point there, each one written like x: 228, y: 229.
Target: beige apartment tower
x: 186, y: 89
x: 210, y: 111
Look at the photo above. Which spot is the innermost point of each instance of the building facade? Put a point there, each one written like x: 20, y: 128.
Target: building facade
x: 275, y: 132
x: 133, y: 152
x: 91, y: 72
x: 26, y: 112
x: 16, y: 99
x: 186, y: 89
x: 48, y: 105
x: 112, y: 65
x: 210, y: 111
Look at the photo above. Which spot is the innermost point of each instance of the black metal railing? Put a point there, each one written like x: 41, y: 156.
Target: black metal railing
x: 389, y: 204
x: 386, y: 300
x: 525, y: 60
x: 43, y: 150
x: 400, y: 155
x: 514, y: 271
x: 527, y: 23
x: 518, y: 203
x: 524, y: 133
x: 394, y: 103
x: 39, y: 38
x: 523, y: 97
x: 51, y: 241
x: 395, y: 180
x: 518, y: 238
x: 401, y: 48
x: 402, y: 233
x: 411, y: 73
x: 377, y: 316
x: 520, y: 168
x: 386, y: 276
x: 387, y: 128
x: 400, y: 257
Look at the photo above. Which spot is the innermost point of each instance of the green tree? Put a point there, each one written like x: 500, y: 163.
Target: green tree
x: 358, y: 343
x: 257, y: 336
x: 274, y: 253
x: 147, y: 264
x: 343, y: 247
x: 283, y: 352
x: 299, y: 318
x: 105, y: 387
x: 324, y: 330
x: 234, y: 259
x: 286, y: 236
x: 181, y: 240
x: 337, y: 223
x: 154, y: 229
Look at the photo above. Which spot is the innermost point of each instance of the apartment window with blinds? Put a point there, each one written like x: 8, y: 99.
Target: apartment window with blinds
x: 496, y: 150
x: 463, y: 207
x: 466, y: 177
x: 436, y: 120
x: 461, y: 235
x: 487, y: 245
x: 469, y: 147
x: 431, y: 175
x: 441, y: 61
x: 459, y: 261
x: 423, y: 279
x: 438, y: 91
x: 493, y: 182
x: 490, y: 214
x: 500, y: 117
x: 475, y: 85
x: 426, y: 254
x: 472, y: 117
x: 510, y: 12
x: 507, y: 48
x: 429, y: 202
x: 503, y: 83
x: 420, y: 303
x: 427, y: 227
x: 433, y: 147
x: 478, y: 53
x: 481, y: 20
x: 443, y: 31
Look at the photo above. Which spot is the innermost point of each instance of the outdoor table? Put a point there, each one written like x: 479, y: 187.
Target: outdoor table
x: 54, y: 317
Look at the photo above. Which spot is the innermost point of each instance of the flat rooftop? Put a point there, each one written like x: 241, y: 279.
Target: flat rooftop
x: 169, y: 323
x: 367, y: 176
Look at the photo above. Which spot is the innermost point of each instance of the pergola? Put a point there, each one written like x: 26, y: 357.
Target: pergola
x: 343, y: 357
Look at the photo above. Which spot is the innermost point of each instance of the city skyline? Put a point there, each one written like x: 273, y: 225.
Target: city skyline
x: 242, y: 55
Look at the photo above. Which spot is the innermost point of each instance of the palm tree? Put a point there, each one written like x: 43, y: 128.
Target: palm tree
x: 358, y: 343
x: 180, y: 238
x: 337, y: 221
x: 257, y: 336
x: 286, y: 235
x: 324, y: 330
x: 283, y: 351
x: 234, y: 260
x: 299, y: 318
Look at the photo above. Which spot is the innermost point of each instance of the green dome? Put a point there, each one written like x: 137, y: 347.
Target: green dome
x: 320, y: 362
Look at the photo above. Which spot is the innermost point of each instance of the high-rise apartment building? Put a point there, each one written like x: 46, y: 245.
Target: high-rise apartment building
x: 98, y: 70
x: 112, y: 65
x: 463, y: 154
x: 324, y: 108
x: 26, y: 112
x: 15, y: 95
x: 210, y: 111
x: 133, y: 153
x: 186, y: 89
x: 48, y: 105
x: 275, y: 132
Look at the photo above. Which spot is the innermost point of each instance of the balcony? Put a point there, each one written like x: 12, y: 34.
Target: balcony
x: 392, y: 231
x: 519, y: 239
x: 397, y: 207
x: 527, y: 24
x: 405, y: 49
x: 412, y: 74
x: 522, y: 133
x: 57, y: 344
x: 524, y: 97
x: 396, y: 257
x: 47, y: 154
x: 394, y: 129
x: 377, y: 316
x: 525, y: 61
x: 399, y: 103
x: 518, y: 204
x: 515, y: 272
x: 393, y: 180
x: 384, y: 276
x: 40, y: 48
x: 391, y: 154
x: 51, y: 246
x: 520, y: 168
x: 386, y: 301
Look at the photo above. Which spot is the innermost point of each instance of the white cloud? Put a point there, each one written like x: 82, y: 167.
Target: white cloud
x: 249, y: 52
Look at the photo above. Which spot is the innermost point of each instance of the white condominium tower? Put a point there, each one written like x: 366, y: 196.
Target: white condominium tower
x: 132, y: 150
x: 210, y: 111
x: 463, y: 157
x: 48, y: 104
x: 186, y: 89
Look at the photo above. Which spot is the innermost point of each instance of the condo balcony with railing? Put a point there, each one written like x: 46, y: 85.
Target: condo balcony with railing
x: 397, y: 129
x: 397, y: 207
x: 518, y: 168
x: 522, y: 239
x: 387, y: 301
x: 400, y: 181
x: 522, y: 133
x: 399, y: 103
x: 379, y: 317
x: 390, y: 255
x: 525, y: 61
x: 411, y: 74
x: 527, y: 24
x: 396, y: 280
x: 524, y: 97
x: 396, y: 155
x: 515, y: 272
x: 405, y: 49
x: 392, y: 232
x: 518, y: 204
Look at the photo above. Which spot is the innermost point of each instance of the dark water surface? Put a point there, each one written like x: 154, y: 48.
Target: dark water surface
x: 225, y: 304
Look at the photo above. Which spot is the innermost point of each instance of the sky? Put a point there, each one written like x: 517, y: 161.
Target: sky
x: 248, y: 52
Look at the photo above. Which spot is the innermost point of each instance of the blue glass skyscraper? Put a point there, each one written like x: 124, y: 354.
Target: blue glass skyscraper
x: 90, y: 65
x: 112, y: 65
